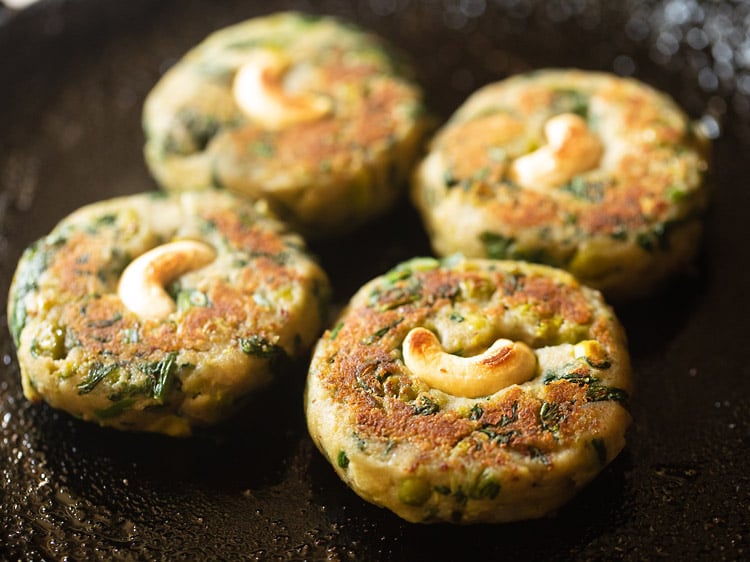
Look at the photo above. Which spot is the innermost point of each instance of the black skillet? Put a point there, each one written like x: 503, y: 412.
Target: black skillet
x: 73, y: 75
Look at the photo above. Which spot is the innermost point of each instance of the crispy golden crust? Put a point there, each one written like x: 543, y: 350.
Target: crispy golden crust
x: 621, y: 226
x: 81, y: 349
x: 554, y: 432
x: 324, y: 175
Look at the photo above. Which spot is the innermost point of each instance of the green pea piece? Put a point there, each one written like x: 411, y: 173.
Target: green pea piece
x: 485, y: 488
x: 51, y: 344
x: 342, y: 460
x: 414, y: 491
x: 191, y: 298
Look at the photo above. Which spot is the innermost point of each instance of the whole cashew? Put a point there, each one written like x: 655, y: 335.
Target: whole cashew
x: 505, y: 363
x: 141, y: 286
x: 571, y: 149
x: 260, y: 94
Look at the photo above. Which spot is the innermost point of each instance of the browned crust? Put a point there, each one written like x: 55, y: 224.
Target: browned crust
x: 95, y: 316
x: 337, y: 138
x: 464, y: 146
x: 361, y: 367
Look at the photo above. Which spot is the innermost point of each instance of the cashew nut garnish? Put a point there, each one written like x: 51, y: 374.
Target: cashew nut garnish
x: 505, y: 363
x: 259, y: 92
x: 571, y: 149
x: 141, y: 286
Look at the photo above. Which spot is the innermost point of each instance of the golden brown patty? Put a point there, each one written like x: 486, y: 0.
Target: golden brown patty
x: 597, y: 174
x: 444, y: 424
x: 312, y: 114
x: 162, y: 312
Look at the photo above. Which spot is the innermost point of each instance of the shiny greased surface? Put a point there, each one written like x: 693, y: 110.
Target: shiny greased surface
x: 359, y: 356
x: 652, y: 158
x: 325, y: 173
x: 82, y: 350
x: 567, y: 421
x: 72, y: 489
x: 617, y: 196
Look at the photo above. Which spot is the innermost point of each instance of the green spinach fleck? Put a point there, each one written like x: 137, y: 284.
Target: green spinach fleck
x: 496, y: 246
x: 259, y: 346
x: 485, y: 487
x: 600, y: 448
x: 654, y: 238
x: 96, y: 374
x: 342, y: 460
x: 335, y: 331
x: 599, y: 393
x: 587, y: 190
x: 493, y: 431
x: 426, y: 406
x: 570, y: 101
x: 263, y: 149
x: 550, y: 416
x: 456, y: 317
x: 116, y: 409
x: 595, y: 390
x: 377, y: 335
x: 449, y: 178
x: 192, y: 131
x: 402, y: 294
x: 162, y: 373
x: 499, y: 437
x: 476, y: 412
x: 34, y: 262
x: 106, y: 322
x: 279, y: 258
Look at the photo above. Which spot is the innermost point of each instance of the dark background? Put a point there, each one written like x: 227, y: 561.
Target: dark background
x: 73, y: 76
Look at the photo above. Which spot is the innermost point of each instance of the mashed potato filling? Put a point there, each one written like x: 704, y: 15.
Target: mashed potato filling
x: 590, y: 172
x: 431, y: 451
x: 319, y: 118
x: 162, y: 313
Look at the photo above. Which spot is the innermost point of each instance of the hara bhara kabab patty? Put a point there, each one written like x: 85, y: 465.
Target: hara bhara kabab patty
x: 470, y: 390
x: 312, y: 114
x: 597, y: 174
x: 161, y: 313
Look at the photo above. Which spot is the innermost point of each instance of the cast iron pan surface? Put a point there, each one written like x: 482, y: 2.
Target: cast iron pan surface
x: 73, y: 77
